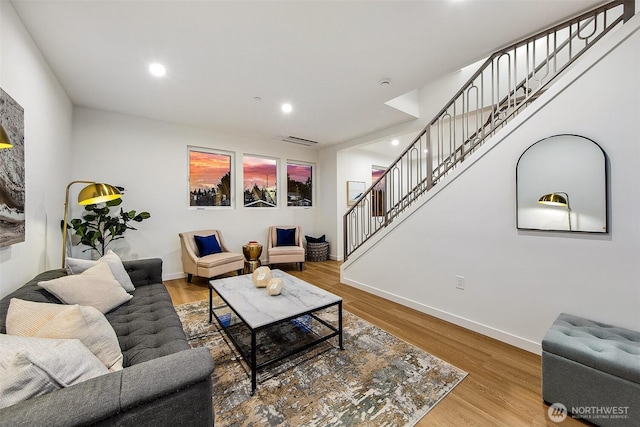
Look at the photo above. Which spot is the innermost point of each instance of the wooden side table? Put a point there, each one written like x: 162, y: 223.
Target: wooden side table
x: 252, y: 253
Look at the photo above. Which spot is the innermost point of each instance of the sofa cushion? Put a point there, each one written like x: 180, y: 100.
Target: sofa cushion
x: 95, y: 287
x: 44, y: 320
x: 222, y: 258
x: 207, y: 245
x: 285, y: 236
x: 25, y: 318
x: 32, y: 367
x: 77, y: 266
x: 30, y: 291
x: 320, y: 239
x: 148, y: 326
x: 286, y: 250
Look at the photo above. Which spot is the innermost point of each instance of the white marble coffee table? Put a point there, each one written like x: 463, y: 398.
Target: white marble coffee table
x: 266, y: 329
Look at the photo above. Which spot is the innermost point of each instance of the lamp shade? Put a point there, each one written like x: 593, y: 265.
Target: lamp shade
x: 98, y: 193
x: 553, y: 199
x: 4, y: 139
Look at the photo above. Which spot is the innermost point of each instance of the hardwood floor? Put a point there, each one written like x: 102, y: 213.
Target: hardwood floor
x: 502, y: 387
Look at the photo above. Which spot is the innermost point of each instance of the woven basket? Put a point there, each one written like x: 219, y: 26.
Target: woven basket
x: 318, y: 251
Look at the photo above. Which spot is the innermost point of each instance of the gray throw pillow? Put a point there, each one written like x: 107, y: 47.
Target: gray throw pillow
x: 78, y: 265
x: 31, y: 367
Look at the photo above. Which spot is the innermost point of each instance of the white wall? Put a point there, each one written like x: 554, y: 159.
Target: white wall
x: 349, y: 162
x: 149, y: 159
x: 327, y: 201
x: 517, y: 282
x: 26, y: 77
x: 353, y: 165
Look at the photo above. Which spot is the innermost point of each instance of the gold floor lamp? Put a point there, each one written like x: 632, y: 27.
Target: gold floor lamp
x: 91, y: 194
x: 558, y: 198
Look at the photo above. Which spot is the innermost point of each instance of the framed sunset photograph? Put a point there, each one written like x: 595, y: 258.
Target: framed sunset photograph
x: 260, y: 178
x: 210, y: 178
x: 299, y: 184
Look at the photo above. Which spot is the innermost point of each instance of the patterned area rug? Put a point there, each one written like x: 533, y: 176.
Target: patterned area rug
x: 377, y: 380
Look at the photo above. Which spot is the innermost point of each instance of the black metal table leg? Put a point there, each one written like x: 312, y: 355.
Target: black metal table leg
x: 340, y: 325
x: 210, y: 304
x: 253, y: 363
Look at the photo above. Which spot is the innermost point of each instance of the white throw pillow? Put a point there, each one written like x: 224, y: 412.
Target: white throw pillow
x: 26, y: 318
x: 95, y: 287
x: 37, y: 319
x: 32, y: 367
x: 78, y: 265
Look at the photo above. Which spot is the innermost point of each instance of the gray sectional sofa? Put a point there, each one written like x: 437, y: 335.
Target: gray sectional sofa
x: 164, y: 382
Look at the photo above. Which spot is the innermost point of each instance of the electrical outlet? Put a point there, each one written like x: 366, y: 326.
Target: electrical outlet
x: 460, y: 282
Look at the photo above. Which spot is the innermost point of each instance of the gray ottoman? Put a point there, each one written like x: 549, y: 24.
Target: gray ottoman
x: 593, y: 369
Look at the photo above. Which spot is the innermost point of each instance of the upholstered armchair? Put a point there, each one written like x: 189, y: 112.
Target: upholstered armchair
x: 284, y: 245
x: 205, y: 254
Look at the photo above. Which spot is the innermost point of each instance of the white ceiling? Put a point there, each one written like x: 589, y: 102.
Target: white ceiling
x: 324, y: 57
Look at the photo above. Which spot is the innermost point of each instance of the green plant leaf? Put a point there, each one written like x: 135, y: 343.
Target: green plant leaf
x: 98, y: 227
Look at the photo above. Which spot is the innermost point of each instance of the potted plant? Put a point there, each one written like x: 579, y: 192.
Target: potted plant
x: 97, y: 228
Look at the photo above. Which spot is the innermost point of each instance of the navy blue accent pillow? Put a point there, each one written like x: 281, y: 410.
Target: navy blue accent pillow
x: 285, y: 236
x: 320, y: 239
x: 207, y: 245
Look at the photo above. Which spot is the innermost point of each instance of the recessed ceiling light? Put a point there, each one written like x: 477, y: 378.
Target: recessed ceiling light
x: 157, y: 70
x: 395, y: 142
x: 385, y: 82
x: 257, y: 98
x: 287, y: 108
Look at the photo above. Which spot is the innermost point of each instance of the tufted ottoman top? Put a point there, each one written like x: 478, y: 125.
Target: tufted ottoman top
x: 603, y: 347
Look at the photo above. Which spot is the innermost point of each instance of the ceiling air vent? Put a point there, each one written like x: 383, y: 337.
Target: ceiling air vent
x: 301, y: 141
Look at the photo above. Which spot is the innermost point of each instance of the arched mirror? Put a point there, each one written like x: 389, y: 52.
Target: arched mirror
x: 561, y: 185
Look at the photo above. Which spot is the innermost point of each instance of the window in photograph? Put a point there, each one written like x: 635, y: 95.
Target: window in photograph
x: 299, y: 184
x: 210, y: 178
x: 260, y: 182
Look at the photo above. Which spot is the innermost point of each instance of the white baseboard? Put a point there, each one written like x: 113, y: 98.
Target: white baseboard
x: 488, y: 331
x: 173, y: 276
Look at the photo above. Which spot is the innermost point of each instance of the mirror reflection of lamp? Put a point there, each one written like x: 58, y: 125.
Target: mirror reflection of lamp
x: 558, y: 198
x: 5, y: 142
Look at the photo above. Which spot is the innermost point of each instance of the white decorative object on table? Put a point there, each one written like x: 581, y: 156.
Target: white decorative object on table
x: 258, y: 308
x: 275, y: 285
x: 261, y: 277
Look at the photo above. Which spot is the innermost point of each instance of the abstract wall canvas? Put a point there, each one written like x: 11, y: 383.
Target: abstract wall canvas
x: 12, y: 191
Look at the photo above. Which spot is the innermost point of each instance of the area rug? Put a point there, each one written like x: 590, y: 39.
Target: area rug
x: 377, y: 380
